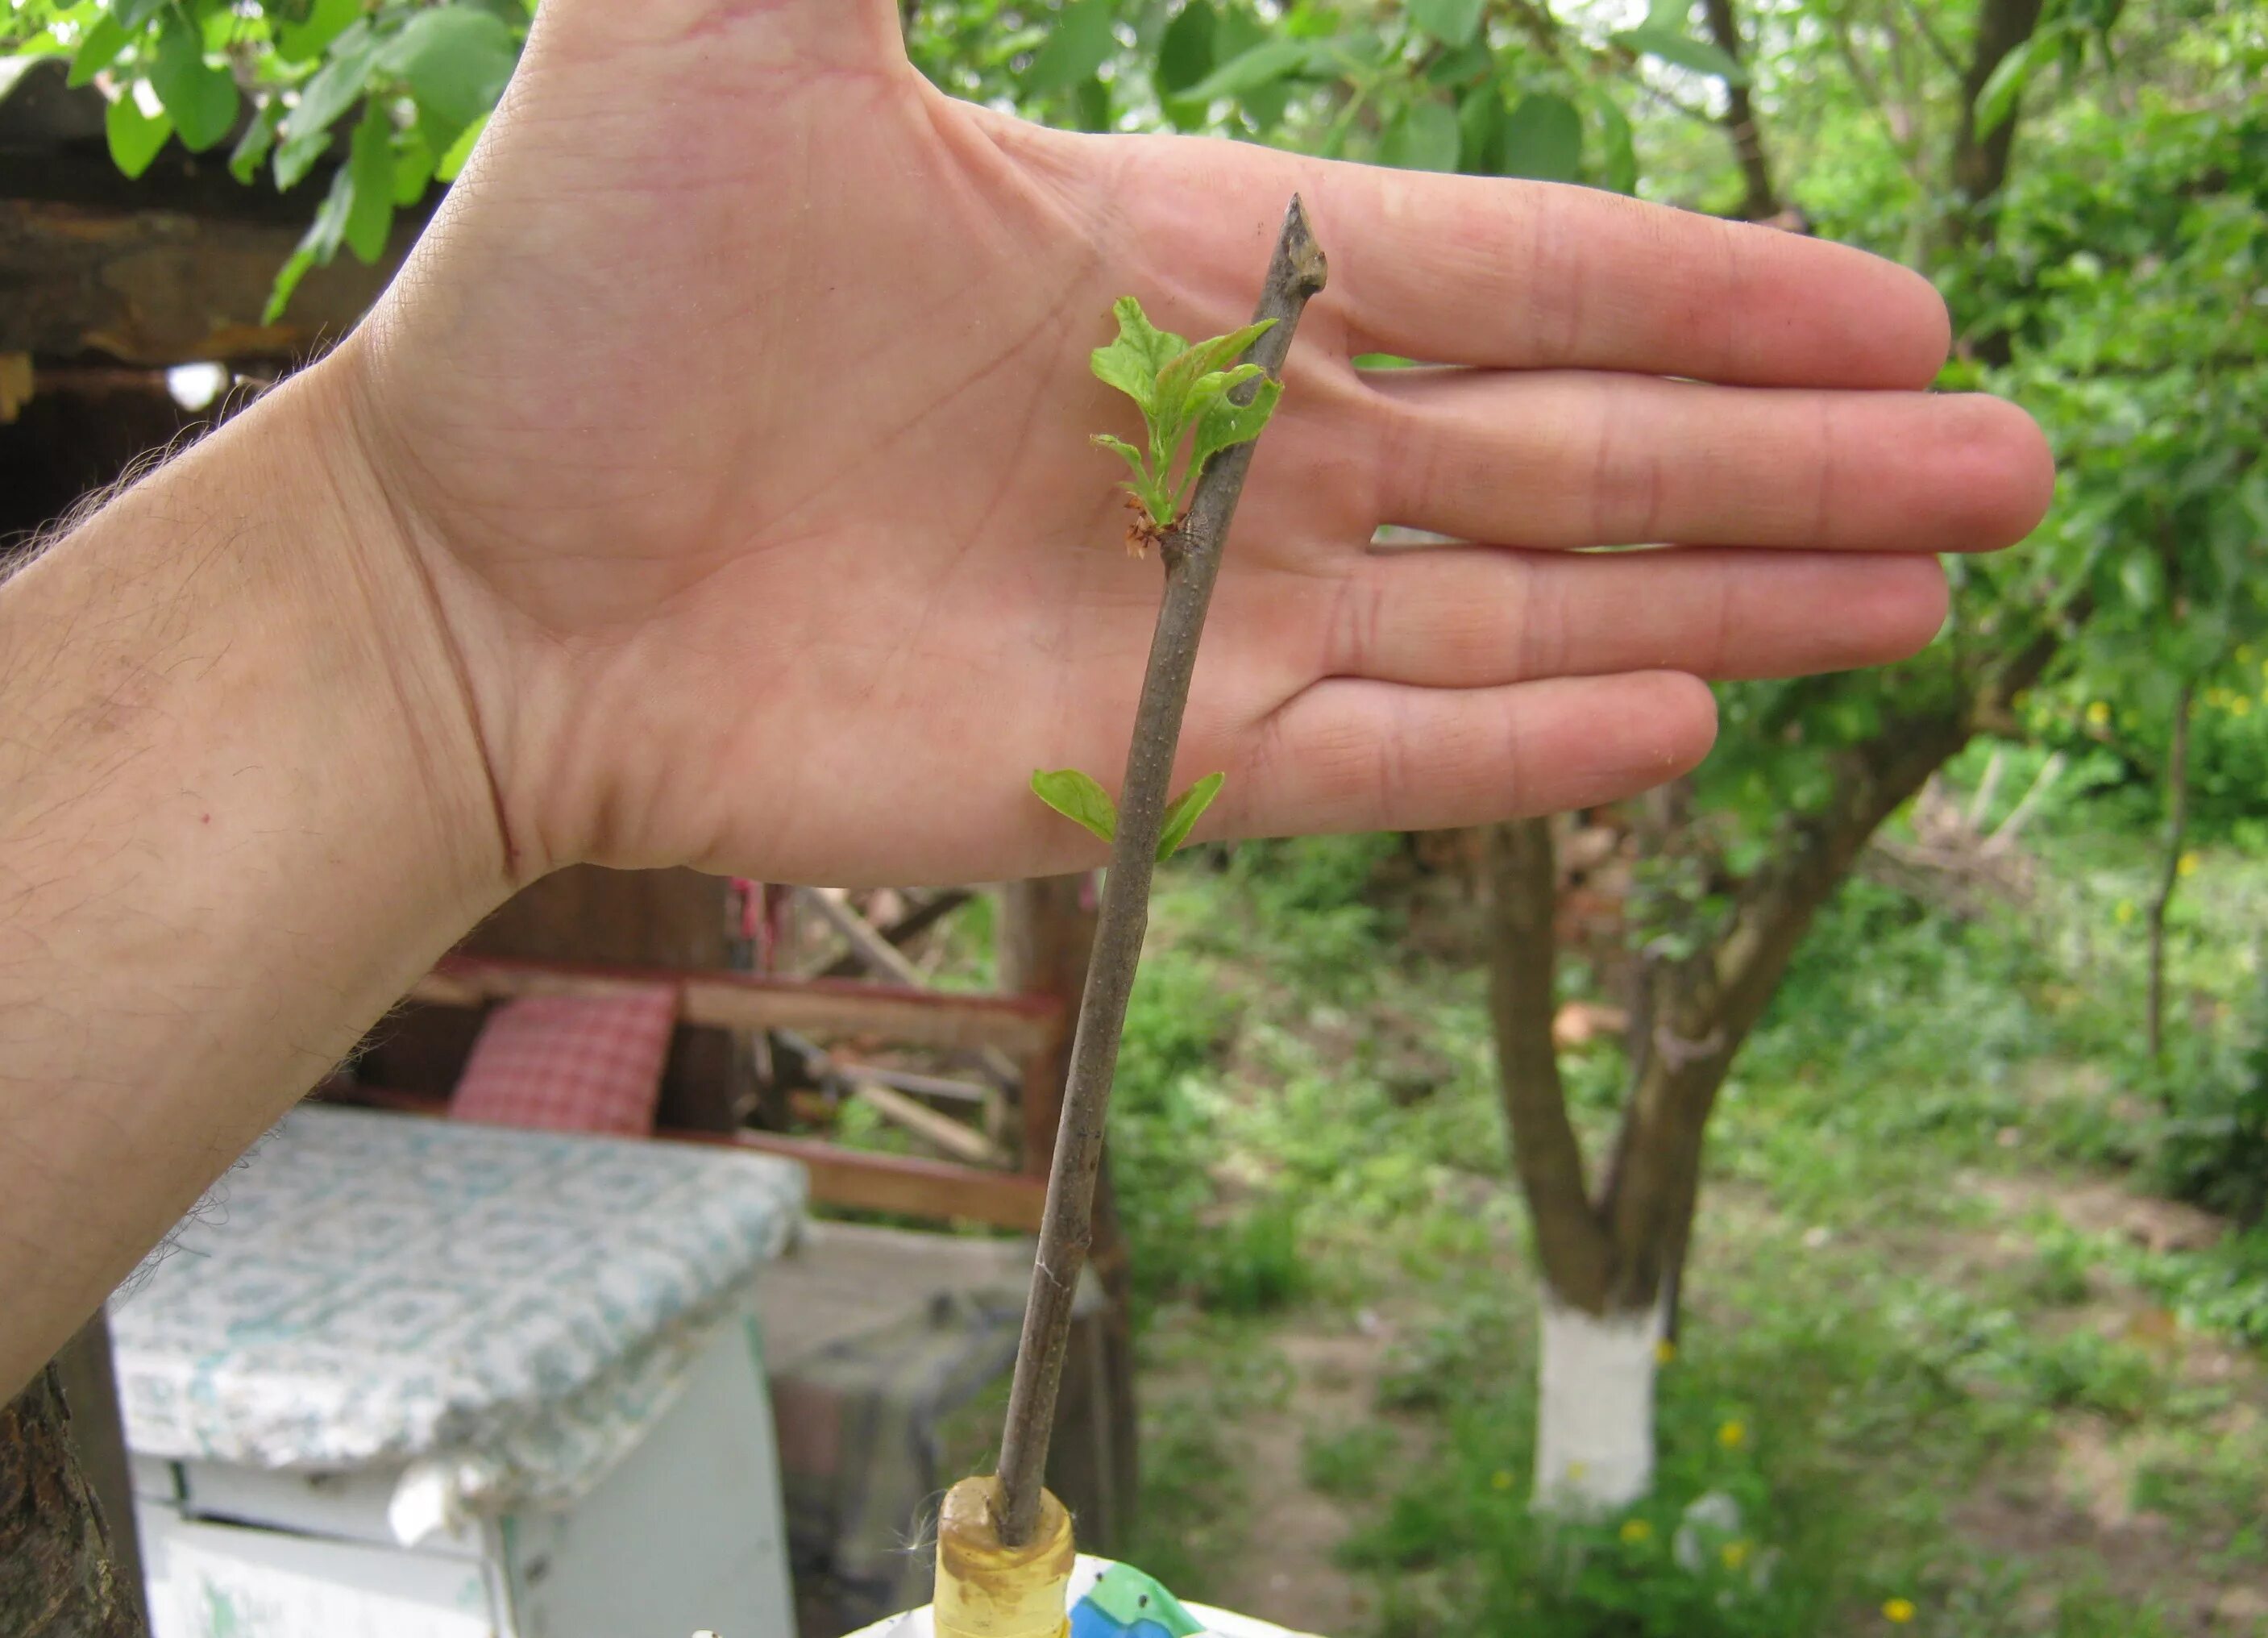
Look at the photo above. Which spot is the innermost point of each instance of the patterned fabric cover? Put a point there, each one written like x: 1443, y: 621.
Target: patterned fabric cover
x: 509, y: 1308
x: 571, y: 1063
x: 1111, y: 1600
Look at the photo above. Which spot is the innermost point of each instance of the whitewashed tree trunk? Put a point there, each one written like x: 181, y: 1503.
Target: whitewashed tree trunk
x: 1594, y: 1408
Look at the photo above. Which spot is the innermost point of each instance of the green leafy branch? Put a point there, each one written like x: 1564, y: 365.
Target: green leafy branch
x: 1182, y: 391
x: 396, y: 90
x: 1186, y: 396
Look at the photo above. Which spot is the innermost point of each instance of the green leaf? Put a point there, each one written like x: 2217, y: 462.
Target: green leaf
x: 1221, y: 350
x: 1120, y: 447
x: 1544, y: 139
x: 1227, y: 424
x: 1185, y: 50
x: 1671, y: 15
x: 322, y: 99
x: 1674, y: 46
x: 98, y: 51
x: 135, y: 137
x: 452, y: 160
x: 1452, y: 22
x: 1186, y: 810
x: 1078, y: 797
x: 1618, y: 158
x: 287, y: 281
x: 1466, y: 63
x: 306, y: 40
x: 455, y: 60
x: 317, y: 246
x: 200, y: 99
x: 2004, y: 87
x: 2142, y: 579
x: 1092, y: 101
x: 1264, y: 106
x: 370, y: 165
x: 1081, y: 42
x: 414, y: 159
x: 1188, y: 382
x: 1131, y: 363
x: 1264, y: 65
x: 253, y: 146
x: 1480, y: 130
x: 1207, y: 391
x: 1424, y: 136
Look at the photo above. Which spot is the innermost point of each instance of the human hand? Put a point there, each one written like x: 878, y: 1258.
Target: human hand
x: 735, y: 408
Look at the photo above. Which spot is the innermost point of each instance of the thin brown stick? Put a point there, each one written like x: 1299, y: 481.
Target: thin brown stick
x: 1192, y: 552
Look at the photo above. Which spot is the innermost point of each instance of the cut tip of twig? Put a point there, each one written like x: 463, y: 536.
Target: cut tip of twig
x: 1301, y: 254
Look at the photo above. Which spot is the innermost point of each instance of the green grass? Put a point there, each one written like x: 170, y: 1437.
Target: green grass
x: 1307, y: 1126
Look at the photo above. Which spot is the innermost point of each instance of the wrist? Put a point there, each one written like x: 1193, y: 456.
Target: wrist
x: 393, y: 670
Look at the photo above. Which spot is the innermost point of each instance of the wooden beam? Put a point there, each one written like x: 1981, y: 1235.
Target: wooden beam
x: 939, y: 1130
x: 1017, y: 1024
x: 920, y: 919
x: 156, y: 287
x: 904, y: 1183
x: 942, y: 1087
x: 870, y: 947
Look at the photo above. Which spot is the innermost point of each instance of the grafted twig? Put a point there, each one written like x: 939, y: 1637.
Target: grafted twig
x: 1191, y: 551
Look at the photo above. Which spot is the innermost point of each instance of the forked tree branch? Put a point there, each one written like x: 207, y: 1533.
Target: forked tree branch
x: 1192, y: 552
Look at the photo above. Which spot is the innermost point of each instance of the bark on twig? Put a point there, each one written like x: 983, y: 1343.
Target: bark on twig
x: 1191, y: 551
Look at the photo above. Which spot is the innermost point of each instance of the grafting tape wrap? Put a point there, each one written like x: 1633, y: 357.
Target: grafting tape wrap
x: 986, y: 1590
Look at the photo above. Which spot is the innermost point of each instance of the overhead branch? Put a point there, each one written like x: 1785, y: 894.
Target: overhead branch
x: 1191, y: 551
x: 1761, y: 199
x: 1980, y: 158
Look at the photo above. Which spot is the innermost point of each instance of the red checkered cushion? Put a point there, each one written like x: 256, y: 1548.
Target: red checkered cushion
x: 571, y: 1063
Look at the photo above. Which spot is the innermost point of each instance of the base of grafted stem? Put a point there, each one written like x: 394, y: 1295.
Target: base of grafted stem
x: 986, y: 1589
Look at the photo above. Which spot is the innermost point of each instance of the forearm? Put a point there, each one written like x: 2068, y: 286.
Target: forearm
x: 241, y: 807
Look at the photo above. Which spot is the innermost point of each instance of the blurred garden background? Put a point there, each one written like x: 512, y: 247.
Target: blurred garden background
x: 1917, y: 1047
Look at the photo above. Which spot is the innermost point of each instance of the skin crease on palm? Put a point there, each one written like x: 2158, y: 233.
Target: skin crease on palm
x: 736, y: 406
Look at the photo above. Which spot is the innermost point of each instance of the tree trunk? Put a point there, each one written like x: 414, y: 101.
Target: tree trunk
x: 1610, y: 1266
x: 56, y: 1576
x: 2169, y: 876
x: 1521, y: 886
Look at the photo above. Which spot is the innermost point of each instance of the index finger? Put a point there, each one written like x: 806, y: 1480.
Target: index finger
x: 1505, y: 274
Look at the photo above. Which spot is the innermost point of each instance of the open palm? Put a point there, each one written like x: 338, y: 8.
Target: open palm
x: 737, y: 403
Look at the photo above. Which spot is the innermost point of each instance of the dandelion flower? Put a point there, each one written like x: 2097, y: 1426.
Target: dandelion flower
x: 1733, y: 1435
x: 2098, y: 714
x: 1664, y: 1351
x: 1734, y: 1553
x: 1898, y: 1611
x: 1636, y: 1530
x: 2188, y: 864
